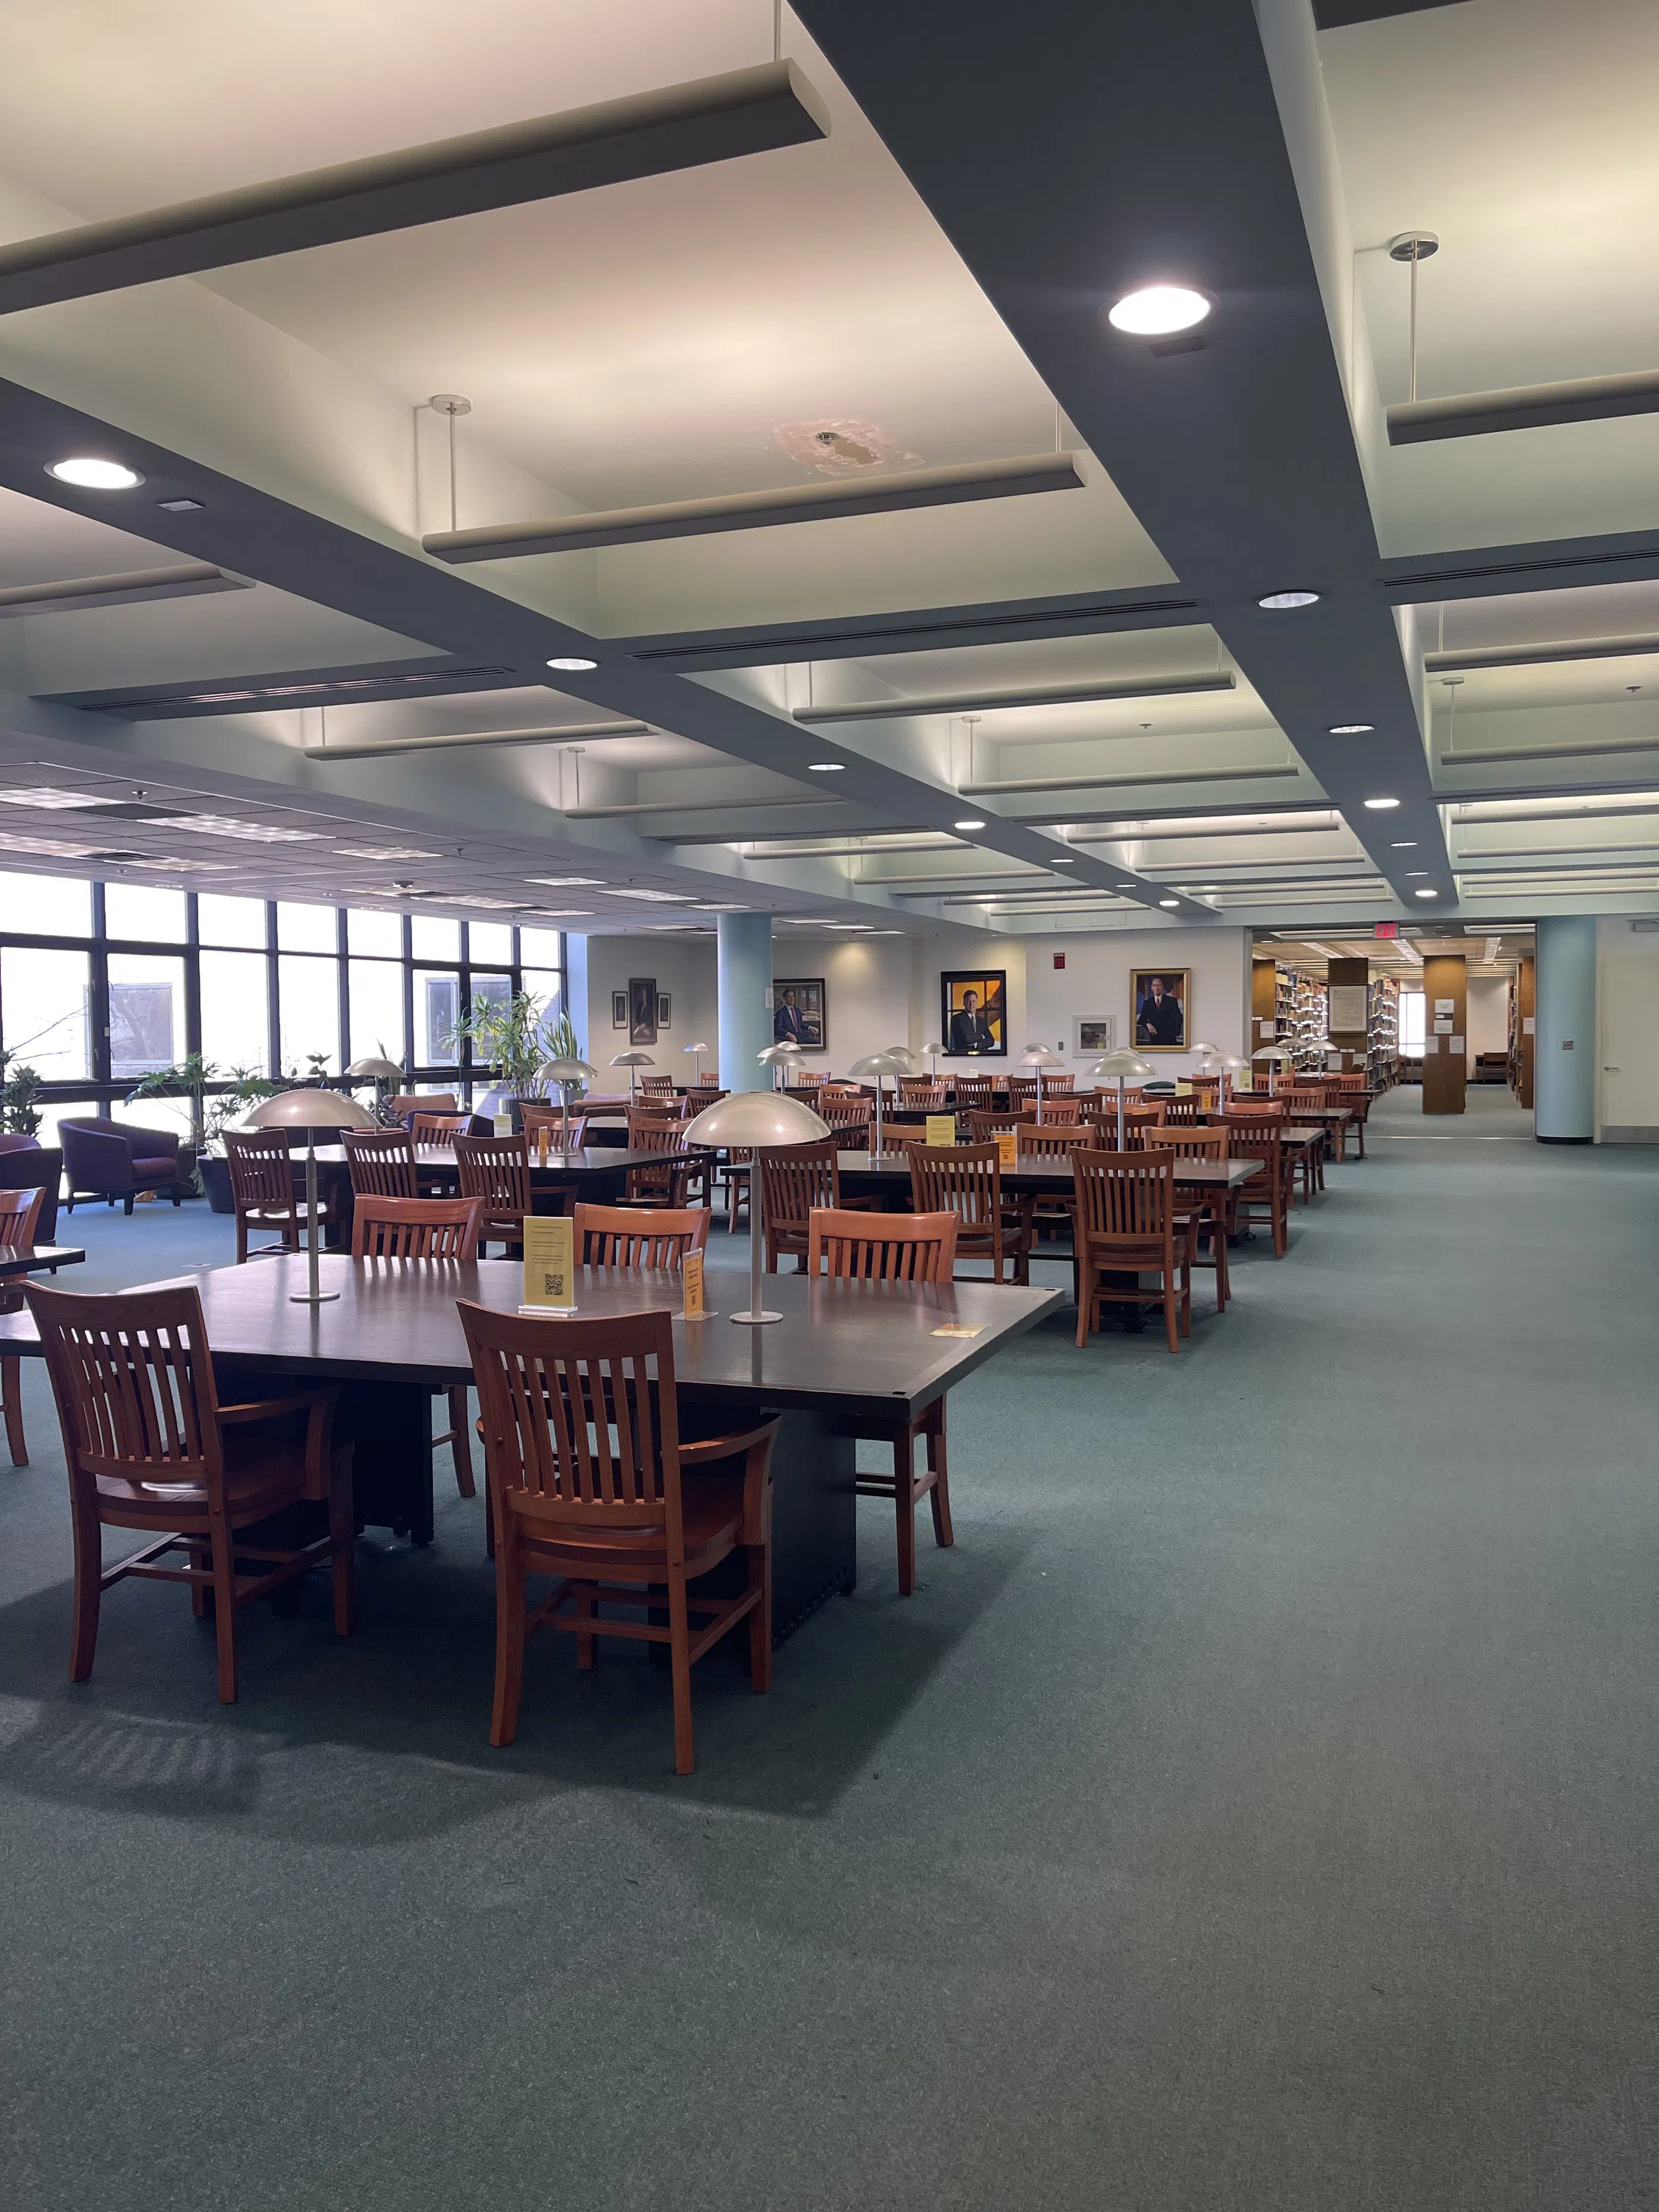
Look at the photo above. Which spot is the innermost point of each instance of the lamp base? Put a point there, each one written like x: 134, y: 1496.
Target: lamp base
x: 755, y: 1319
x: 312, y: 1297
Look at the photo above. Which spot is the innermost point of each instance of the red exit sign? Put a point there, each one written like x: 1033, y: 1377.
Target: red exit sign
x: 1385, y: 929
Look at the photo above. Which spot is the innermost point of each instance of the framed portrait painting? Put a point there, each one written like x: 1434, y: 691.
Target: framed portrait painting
x: 619, y: 1009
x: 974, y: 1009
x: 641, y: 1010
x: 1158, y: 1001
x: 800, y: 1012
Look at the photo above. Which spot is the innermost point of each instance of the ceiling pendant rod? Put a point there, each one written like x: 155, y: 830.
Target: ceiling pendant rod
x: 1413, y: 247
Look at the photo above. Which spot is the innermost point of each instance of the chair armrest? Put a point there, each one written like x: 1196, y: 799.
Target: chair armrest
x: 98, y: 1160
x: 320, y: 1404
x: 756, y: 1446
x: 709, y: 1450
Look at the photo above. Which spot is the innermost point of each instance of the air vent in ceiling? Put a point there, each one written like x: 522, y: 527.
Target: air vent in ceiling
x: 339, y: 687
x: 1646, y: 554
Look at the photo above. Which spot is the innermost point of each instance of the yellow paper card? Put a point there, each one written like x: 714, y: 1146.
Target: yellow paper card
x: 941, y: 1128
x: 695, y: 1308
x: 1007, y: 1148
x: 1183, y: 1090
x: 549, y: 1263
x: 959, y: 1329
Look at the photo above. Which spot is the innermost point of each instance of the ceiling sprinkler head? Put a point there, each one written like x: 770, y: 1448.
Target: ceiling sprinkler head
x: 1414, y: 246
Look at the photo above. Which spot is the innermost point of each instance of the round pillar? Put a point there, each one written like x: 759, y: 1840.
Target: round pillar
x: 1563, y: 1062
x: 745, y: 981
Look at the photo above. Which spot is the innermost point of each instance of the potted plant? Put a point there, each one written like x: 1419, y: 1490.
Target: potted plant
x: 20, y: 1090
x: 245, y: 1088
x: 506, y: 1035
x: 191, y: 1077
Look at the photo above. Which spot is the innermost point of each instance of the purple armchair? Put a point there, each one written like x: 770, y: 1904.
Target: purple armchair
x: 114, y: 1159
x: 26, y: 1164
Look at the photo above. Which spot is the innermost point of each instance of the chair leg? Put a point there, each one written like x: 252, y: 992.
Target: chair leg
x: 1169, y: 1323
x: 509, y: 1644
x: 904, y: 1499
x: 11, y: 1394
x: 88, y: 1590
x: 679, y: 1652
x: 938, y: 1462
x: 460, y: 1446
x: 342, y: 1537
x: 1224, y: 1288
x: 586, y: 1610
x: 126, y: 1205
x: 224, y: 1609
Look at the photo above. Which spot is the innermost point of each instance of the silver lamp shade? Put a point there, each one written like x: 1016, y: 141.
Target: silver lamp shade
x: 933, y: 1049
x: 1121, y: 1067
x: 564, y: 1073
x: 1226, y: 1064
x: 699, y: 1048
x: 372, y: 1068
x: 1272, y: 1053
x: 777, y: 1058
x: 310, y: 1110
x: 1039, y: 1057
x: 744, y: 1120
x: 630, y: 1060
x: 877, y: 1068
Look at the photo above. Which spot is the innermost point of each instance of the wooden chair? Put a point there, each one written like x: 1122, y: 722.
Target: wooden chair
x: 438, y: 1132
x: 1022, y: 1091
x: 1054, y: 1085
x: 535, y: 1118
x: 1203, y: 1214
x: 974, y: 1092
x: 496, y: 1171
x: 20, y: 1216
x: 1065, y: 1113
x: 262, y: 1192
x: 896, y: 1247
x: 380, y: 1164
x: 986, y: 1123
x: 1305, y: 1100
x: 590, y: 1483
x: 1184, y: 1112
x: 408, y: 1104
x: 1256, y: 1136
x: 796, y: 1181
x: 398, y: 1228
x: 148, y: 1446
x: 921, y: 1092
x: 628, y: 1237
x: 657, y: 1086
x: 666, y: 1183
x: 1126, y: 1225
x: 965, y: 1180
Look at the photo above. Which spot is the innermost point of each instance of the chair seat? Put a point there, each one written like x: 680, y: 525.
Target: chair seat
x: 162, y: 1170
x: 711, y: 1509
x: 262, y: 1476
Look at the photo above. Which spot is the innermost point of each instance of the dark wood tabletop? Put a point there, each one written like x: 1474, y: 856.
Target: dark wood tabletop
x: 844, y: 1348
x: 438, y: 1162
x: 1046, y: 1173
x: 25, y: 1259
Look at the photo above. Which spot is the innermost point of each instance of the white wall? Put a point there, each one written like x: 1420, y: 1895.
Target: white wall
x: 867, y: 987
x: 683, y: 969
x: 1096, y: 981
x: 1627, y: 1034
x: 1488, y: 1015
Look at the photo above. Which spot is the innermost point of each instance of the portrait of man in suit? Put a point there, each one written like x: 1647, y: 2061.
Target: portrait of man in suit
x: 797, y: 1012
x: 1160, y: 1008
x: 975, y: 1008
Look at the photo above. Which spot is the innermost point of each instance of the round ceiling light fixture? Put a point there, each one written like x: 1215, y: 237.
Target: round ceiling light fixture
x: 1428, y: 894
x: 1065, y: 860
x: 1350, y: 729
x: 971, y: 822
x: 825, y: 768
x: 1275, y: 602
x: 1381, y: 806
x: 572, y: 662
x: 91, y: 472
x: 1403, y: 845
x: 1155, y: 311
x: 1169, y: 902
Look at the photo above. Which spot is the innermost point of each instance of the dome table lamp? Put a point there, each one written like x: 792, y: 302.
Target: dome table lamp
x: 776, y: 1060
x: 1038, y: 1057
x: 1122, y: 1066
x: 699, y: 1048
x: 877, y: 1066
x: 631, y: 1060
x: 932, y: 1051
x: 374, y: 1067
x: 742, y: 1121
x: 1272, y: 1053
x: 1226, y: 1064
x: 564, y: 1073
x: 310, y: 1110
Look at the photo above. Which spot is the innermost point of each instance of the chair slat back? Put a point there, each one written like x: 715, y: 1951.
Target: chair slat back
x: 1021, y: 1090
x: 439, y: 1131
x: 843, y: 1113
x: 795, y: 1179
x: 964, y: 1179
x: 1208, y: 1143
x: 425, y: 1102
x: 535, y: 1119
x: 1124, y: 1197
x: 133, y: 1381
x: 495, y: 1170
x: 1067, y: 1112
x: 882, y: 1247
x: 261, y: 1170
x: 581, y: 1419
x: 975, y: 1091
x: 640, y: 1237
x: 646, y: 1135
x: 1256, y: 1109
x: 984, y: 1123
x: 1046, y: 1143
x: 920, y: 1090
x: 20, y: 1211
x: 657, y: 1086
x: 416, y: 1228
x: 1304, y: 1099
x: 381, y: 1163
x: 1055, y: 1086
x: 1184, y: 1112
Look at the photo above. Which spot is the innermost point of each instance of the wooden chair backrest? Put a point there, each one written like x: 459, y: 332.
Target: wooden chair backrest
x: 1046, y: 1143
x: 976, y: 1089
x: 425, y: 1102
x: 133, y: 1381
x: 1184, y: 1113
x: 581, y: 1419
x: 1125, y: 1197
x: 648, y: 1136
x: 1209, y: 1143
x: 439, y: 1131
x: 640, y: 1237
x: 416, y: 1228
x: 495, y: 1170
x: 1303, y: 1099
x: 985, y: 1122
x: 1258, y: 1137
x: 261, y: 1170
x: 1022, y: 1087
x: 1053, y: 1085
x: 844, y: 1113
x: 551, y: 1118
x: 19, y: 1211
x: 657, y: 1085
x: 381, y: 1163
x: 921, y: 1090
x: 882, y: 1247
x: 795, y: 1179
x: 1067, y: 1112
x: 964, y: 1179
x: 1257, y: 1109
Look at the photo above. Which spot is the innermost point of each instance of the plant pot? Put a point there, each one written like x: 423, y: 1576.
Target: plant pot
x: 216, y: 1180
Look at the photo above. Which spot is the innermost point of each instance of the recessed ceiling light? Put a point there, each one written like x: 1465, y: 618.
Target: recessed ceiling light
x: 1403, y: 845
x: 91, y: 474
x: 661, y: 898
x: 1273, y: 601
x: 180, y: 506
x: 1351, y: 729
x: 48, y: 796
x: 382, y: 852
x: 1381, y: 806
x: 569, y: 883
x: 1128, y: 887
x: 574, y: 662
x: 255, y: 833
x: 970, y: 823
x: 1068, y: 861
x: 825, y: 768
x: 561, y: 913
x: 1154, y: 310
x: 1169, y: 902
x: 1428, y: 894
x: 1410, y: 872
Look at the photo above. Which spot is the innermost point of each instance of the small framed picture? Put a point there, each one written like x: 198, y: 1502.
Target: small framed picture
x: 641, y: 1010
x: 1158, y: 999
x: 665, y: 1010
x: 619, y: 1009
x: 1093, y: 1035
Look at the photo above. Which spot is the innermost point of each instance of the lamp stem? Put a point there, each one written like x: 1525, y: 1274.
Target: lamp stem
x: 312, y: 1284
x: 1120, y: 1113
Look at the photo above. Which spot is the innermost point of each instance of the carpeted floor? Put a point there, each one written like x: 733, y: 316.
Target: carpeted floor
x: 1254, y: 1810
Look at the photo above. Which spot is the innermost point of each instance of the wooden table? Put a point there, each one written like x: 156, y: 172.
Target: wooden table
x: 30, y: 1259
x: 600, y: 1177
x: 845, y: 1355
x: 1042, y: 1176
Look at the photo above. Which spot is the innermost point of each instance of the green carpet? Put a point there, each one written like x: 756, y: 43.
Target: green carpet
x: 1254, y: 1810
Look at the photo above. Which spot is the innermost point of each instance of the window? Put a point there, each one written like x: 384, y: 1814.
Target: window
x: 235, y: 1026
x: 437, y: 1009
x: 377, y: 1009
x: 306, y: 929
x: 435, y: 938
x: 146, y: 1014
x: 145, y: 913
x: 45, y: 906
x: 541, y: 948
x: 309, y: 997
x: 1412, y: 1006
x: 544, y: 984
x: 380, y: 933
x: 45, y: 999
x: 230, y: 920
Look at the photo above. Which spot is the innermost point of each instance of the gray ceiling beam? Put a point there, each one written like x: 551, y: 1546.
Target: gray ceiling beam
x: 1236, y: 456
x: 986, y: 702
x: 650, y: 134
